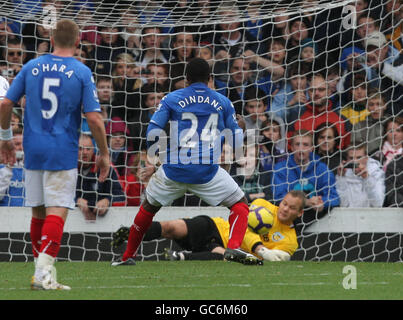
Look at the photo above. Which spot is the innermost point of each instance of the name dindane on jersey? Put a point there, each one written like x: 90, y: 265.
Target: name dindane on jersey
x: 201, y: 143
x: 200, y: 120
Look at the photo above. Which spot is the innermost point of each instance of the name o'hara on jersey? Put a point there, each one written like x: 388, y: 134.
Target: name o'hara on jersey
x: 46, y: 67
x: 200, y: 99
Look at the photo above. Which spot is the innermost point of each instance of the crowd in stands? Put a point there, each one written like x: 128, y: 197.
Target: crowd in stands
x: 323, y: 102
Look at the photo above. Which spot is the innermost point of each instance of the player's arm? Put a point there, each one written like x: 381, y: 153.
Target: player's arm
x: 97, y: 127
x: 271, y: 254
x: 156, y: 136
x: 92, y: 111
x: 6, y: 134
x: 231, y: 123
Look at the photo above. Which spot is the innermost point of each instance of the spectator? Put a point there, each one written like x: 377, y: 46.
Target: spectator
x: 119, y: 144
x: 94, y: 199
x: 135, y: 182
x: 105, y: 94
x: 326, y: 142
x: 240, y: 79
x: 16, y: 120
x: 396, y: 36
x: 272, y: 61
x: 390, y: 15
x: 110, y: 47
x: 250, y: 177
x: 333, y: 80
x: 125, y: 103
x: 304, y: 171
x: 151, y: 96
x: 230, y: 40
x: 362, y: 185
x: 385, y: 70
x: 184, y: 45
x: 254, y: 22
x: 87, y: 26
x: 349, y: 63
x: 394, y: 183
x: 12, y: 180
x: 255, y: 109
x: 309, y: 52
x: 319, y: 110
x: 371, y: 129
x: 184, y: 49
x: 205, y: 51
x: 300, y: 29
x: 15, y: 55
x: 272, y: 143
x: 157, y: 73
x: 356, y: 110
x: 393, y: 143
x: 36, y: 39
x: 366, y: 24
x: 289, y: 102
x: 131, y: 32
x: 151, y: 47
x: 8, y: 30
x: 279, y: 26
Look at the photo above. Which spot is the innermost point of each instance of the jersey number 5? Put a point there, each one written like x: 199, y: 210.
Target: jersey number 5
x: 47, y: 94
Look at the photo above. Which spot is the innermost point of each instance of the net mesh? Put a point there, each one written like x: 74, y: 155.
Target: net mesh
x: 329, y: 71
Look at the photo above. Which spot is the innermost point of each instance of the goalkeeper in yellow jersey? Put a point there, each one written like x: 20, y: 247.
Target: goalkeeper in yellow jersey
x: 205, y: 238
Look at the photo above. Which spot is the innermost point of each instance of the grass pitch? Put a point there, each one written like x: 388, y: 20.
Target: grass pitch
x: 209, y: 280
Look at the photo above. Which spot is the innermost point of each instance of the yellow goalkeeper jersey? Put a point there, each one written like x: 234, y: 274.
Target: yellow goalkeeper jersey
x: 281, y: 236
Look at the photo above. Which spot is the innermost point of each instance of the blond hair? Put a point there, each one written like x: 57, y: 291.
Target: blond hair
x: 65, y: 34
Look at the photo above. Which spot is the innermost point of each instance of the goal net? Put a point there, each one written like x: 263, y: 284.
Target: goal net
x: 317, y: 86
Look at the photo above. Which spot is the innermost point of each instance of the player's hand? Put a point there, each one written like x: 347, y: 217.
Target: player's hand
x: 103, y: 164
x: 7, y: 149
x: 241, y: 122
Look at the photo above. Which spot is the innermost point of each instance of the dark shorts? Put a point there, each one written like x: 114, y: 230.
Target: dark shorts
x: 202, y: 235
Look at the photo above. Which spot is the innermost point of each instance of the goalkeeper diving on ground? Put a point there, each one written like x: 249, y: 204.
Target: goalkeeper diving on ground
x: 205, y: 238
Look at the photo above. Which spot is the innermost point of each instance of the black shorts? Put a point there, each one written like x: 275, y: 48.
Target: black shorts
x: 202, y: 235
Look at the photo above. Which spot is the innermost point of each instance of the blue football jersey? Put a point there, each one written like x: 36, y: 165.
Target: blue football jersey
x: 200, y: 120
x: 57, y: 90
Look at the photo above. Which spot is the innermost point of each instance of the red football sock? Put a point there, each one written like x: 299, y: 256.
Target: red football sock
x: 36, y: 233
x: 141, y: 223
x: 52, y: 232
x: 238, y: 221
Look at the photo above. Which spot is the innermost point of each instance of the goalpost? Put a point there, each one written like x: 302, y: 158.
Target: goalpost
x: 259, y: 51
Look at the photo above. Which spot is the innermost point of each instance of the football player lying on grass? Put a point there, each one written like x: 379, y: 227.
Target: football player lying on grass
x: 205, y: 238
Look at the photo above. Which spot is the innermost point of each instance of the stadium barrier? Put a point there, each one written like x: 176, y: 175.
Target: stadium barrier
x: 361, y: 234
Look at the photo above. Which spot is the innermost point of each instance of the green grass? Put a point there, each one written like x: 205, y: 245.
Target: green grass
x: 212, y: 280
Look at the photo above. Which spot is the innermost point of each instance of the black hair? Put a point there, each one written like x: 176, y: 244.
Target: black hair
x: 197, y: 70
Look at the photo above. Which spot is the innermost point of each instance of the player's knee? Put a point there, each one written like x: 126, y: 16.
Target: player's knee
x: 240, y: 207
x: 149, y: 207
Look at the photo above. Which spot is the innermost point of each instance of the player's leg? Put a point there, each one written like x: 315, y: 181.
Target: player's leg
x: 58, y: 194
x: 174, y: 229
x: 222, y: 189
x: 198, y: 237
x: 140, y: 225
x: 34, y: 199
x: 160, y: 191
x: 238, y: 220
x: 37, y: 221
